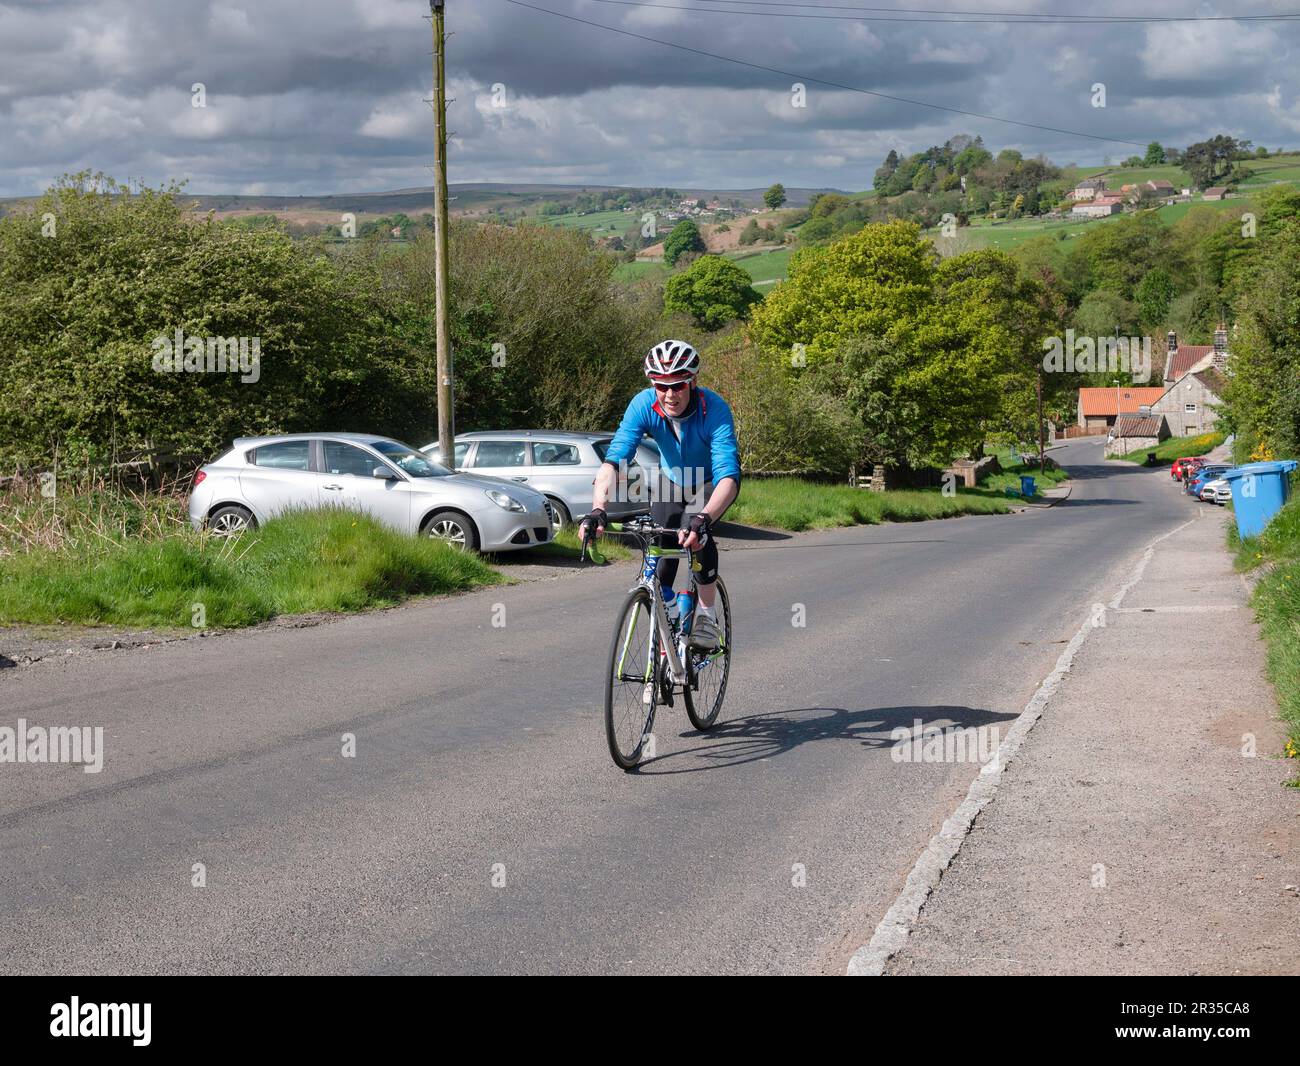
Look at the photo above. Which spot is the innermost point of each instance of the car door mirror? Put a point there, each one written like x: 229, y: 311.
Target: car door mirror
x: 384, y: 474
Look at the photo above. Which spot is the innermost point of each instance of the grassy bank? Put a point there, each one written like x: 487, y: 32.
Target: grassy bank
x: 303, y: 563
x: 1013, y: 469
x: 1176, y: 448
x: 795, y: 504
x: 1276, y: 553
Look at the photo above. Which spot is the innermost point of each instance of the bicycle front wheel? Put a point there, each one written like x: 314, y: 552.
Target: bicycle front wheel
x: 708, y: 672
x: 631, y: 692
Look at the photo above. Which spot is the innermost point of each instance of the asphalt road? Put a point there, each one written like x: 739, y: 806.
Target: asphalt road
x: 481, y: 826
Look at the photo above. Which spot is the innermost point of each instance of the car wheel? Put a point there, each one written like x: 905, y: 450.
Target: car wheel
x: 560, y: 517
x: 452, y: 528
x: 230, y: 521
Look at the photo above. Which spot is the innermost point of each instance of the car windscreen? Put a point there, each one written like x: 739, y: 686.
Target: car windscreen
x: 409, y: 460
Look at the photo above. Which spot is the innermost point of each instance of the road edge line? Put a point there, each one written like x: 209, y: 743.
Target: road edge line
x: 895, y: 927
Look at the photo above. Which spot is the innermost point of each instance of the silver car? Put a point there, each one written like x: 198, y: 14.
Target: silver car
x: 559, y: 464
x: 261, y: 477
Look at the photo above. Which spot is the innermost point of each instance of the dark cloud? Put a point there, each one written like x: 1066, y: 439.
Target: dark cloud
x: 323, y: 96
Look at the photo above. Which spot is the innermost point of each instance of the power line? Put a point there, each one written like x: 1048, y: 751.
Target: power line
x: 1015, y: 20
x: 1017, y: 16
x: 820, y: 81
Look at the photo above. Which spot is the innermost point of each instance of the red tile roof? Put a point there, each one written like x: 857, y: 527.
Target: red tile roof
x: 1096, y: 403
x: 1185, y: 357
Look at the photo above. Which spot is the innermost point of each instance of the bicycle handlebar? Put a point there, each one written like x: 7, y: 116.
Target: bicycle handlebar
x: 642, y: 529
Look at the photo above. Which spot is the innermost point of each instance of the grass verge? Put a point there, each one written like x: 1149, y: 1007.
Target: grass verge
x: 302, y: 563
x: 1012, y: 469
x: 795, y: 504
x: 1176, y: 448
x: 1276, y: 600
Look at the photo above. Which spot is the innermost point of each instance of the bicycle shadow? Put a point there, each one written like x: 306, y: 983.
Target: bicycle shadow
x: 738, y: 741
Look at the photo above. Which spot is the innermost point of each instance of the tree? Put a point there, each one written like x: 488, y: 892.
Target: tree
x: 1209, y: 161
x: 775, y: 196
x: 685, y: 237
x: 860, y: 285
x: 1102, y: 313
x: 713, y: 291
x: 752, y: 233
x: 1154, y: 294
x: 885, y: 171
x: 1262, y: 400
x: 1155, y: 155
x: 918, y: 349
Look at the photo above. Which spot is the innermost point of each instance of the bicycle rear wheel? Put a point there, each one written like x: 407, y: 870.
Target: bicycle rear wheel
x: 633, y: 656
x: 708, y: 671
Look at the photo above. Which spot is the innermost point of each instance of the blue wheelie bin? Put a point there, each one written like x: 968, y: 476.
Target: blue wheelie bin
x: 1259, y: 491
x: 1026, y: 486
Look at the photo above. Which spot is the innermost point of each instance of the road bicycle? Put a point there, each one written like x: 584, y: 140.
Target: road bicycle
x: 650, y: 658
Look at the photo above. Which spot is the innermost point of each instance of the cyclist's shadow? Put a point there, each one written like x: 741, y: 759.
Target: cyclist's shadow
x: 765, y: 736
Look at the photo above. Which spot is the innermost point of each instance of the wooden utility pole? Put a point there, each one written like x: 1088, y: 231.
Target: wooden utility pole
x: 1041, y: 428
x: 446, y: 420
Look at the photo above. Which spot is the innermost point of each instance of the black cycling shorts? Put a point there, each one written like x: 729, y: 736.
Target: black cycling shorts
x: 672, y: 515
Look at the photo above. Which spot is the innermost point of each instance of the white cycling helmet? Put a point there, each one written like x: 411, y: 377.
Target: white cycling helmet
x: 672, y: 359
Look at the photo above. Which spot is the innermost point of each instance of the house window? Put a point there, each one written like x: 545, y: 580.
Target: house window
x: 1190, y: 408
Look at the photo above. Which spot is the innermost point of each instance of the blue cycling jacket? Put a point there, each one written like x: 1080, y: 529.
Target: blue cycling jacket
x: 708, y: 438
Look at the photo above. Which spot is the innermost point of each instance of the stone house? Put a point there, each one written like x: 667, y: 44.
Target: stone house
x: 1189, y: 405
x: 1217, y: 192
x: 1137, y: 432
x: 1183, y: 359
x: 1088, y: 188
x: 1099, y: 207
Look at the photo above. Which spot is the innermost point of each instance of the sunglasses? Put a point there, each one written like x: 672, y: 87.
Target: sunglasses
x: 673, y: 386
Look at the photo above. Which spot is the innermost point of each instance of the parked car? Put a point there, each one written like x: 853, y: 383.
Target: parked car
x: 1207, y: 489
x: 560, y: 465
x: 261, y: 477
x: 1199, y: 477
x: 1183, y: 467
x: 1218, y: 491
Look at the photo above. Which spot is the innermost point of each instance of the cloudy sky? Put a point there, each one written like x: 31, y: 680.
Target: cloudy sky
x: 315, y: 96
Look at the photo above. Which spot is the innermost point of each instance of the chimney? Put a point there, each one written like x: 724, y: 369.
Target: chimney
x: 1172, y: 342
x: 1221, y: 340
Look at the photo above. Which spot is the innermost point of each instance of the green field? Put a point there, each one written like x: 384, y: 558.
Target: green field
x: 629, y: 272
x: 598, y: 223
x: 764, y: 267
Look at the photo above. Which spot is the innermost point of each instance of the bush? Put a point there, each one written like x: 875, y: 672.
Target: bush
x: 82, y: 308
x: 713, y: 292
x: 685, y: 237
x: 787, y: 418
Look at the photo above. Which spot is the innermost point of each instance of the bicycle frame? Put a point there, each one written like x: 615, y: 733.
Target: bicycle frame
x: 675, y: 649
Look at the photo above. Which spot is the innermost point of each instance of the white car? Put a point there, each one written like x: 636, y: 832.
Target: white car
x: 560, y: 465
x: 1217, y: 491
x: 261, y: 477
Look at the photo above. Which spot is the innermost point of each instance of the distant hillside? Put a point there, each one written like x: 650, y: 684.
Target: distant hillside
x: 467, y: 198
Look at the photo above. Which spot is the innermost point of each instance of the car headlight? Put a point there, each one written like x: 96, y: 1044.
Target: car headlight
x: 509, y: 503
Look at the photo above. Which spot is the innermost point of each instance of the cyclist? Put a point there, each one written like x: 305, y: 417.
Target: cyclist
x: 696, y: 436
